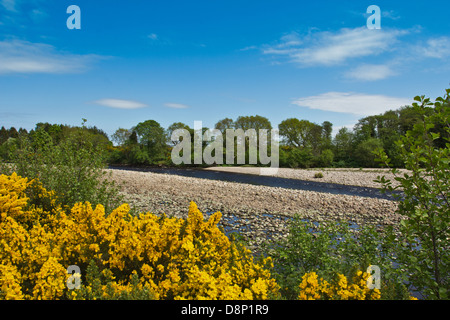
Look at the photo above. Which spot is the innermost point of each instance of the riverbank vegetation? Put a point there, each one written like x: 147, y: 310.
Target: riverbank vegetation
x: 57, y: 210
x: 144, y: 256
x: 303, y: 144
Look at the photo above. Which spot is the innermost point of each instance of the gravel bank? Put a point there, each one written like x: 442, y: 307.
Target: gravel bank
x: 353, y: 177
x: 257, y: 212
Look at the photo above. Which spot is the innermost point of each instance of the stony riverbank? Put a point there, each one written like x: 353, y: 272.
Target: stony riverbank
x: 257, y: 212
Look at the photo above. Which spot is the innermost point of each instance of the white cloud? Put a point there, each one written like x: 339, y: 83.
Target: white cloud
x: 436, y: 48
x: 176, y: 105
x: 17, y: 56
x: 9, y: 5
x: 289, y: 40
x: 332, y: 48
x: 248, y: 48
x: 38, y: 15
x: 385, y: 14
x: 355, y: 103
x: 370, y: 72
x: 157, y: 40
x: 120, y: 104
x: 390, y: 14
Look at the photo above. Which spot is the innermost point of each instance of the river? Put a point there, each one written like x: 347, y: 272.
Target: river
x: 266, y: 181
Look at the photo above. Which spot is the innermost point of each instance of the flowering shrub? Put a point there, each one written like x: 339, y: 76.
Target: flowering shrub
x: 311, y: 288
x: 120, y: 255
x: 125, y: 256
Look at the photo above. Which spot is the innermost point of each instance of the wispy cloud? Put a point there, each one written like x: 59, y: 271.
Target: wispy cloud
x: 176, y: 105
x: 333, y: 48
x: 15, y: 115
x: 354, y: 103
x: 385, y: 14
x: 390, y: 14
x: 157, y: 39
x: 19, y: 13
x: 38, y: 15
x: 9, y: 5
x: 436, y: 48
x: 370, y: 72
x: 120, y: 103
x: 248, y: 48
x: 18, y: 56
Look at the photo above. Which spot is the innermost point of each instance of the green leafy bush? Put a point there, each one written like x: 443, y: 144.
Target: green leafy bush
x: 330, y: 248
x: 326, y: 158
x: 318, y: 175
x: 73, y: 168
x: 425, y: 237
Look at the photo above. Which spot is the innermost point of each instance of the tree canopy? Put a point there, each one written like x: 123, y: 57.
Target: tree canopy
x: 303, y: 143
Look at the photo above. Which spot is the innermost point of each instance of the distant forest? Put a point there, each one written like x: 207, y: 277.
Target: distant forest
x: 303, y: 144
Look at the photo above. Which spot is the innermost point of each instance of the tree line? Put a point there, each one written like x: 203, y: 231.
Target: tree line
x: 303, y: 144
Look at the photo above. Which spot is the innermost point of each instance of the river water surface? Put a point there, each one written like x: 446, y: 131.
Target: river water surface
x: 267, y: 181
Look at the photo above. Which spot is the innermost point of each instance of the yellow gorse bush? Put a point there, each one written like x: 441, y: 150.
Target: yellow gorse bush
x: 133, y: 256
x: 118, y: 253
x: 312, y: 288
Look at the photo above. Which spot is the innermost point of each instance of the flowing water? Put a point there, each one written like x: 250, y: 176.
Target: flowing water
x: 268, y: 181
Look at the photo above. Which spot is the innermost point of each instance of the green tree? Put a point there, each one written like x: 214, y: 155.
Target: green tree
x: 224, y: 124
x: 13, y: 133
x: 326, y: 158
x: 425, y: 202
x: 363, y: 153
x: 175, y: 126
x: 3, y: 135
x: 8, y: 148
x: 343, y: 146
x: 73, y: 168
x: 327, y: 129
x: 252, y: 122
x: 299, y: 158
x: 56, y: 131
x: 133, y: 139
x: 296, y: 132
x: 121, y: 136
x: 365, y: 129
x: 408, y: 116
x: 152, y: 137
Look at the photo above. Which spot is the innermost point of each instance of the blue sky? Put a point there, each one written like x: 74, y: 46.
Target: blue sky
x: 183, y: 61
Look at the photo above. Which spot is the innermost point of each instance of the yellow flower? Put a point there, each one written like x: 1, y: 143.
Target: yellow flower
x: 10, y: 288
x: 188, y: 245
x: 168, y: 257
x: 51, y: 281
x: 312, y: 289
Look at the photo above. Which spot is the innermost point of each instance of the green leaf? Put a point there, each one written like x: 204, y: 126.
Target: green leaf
x: 435, y: 135
x: 404, y: 223
x: 443, y: 293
